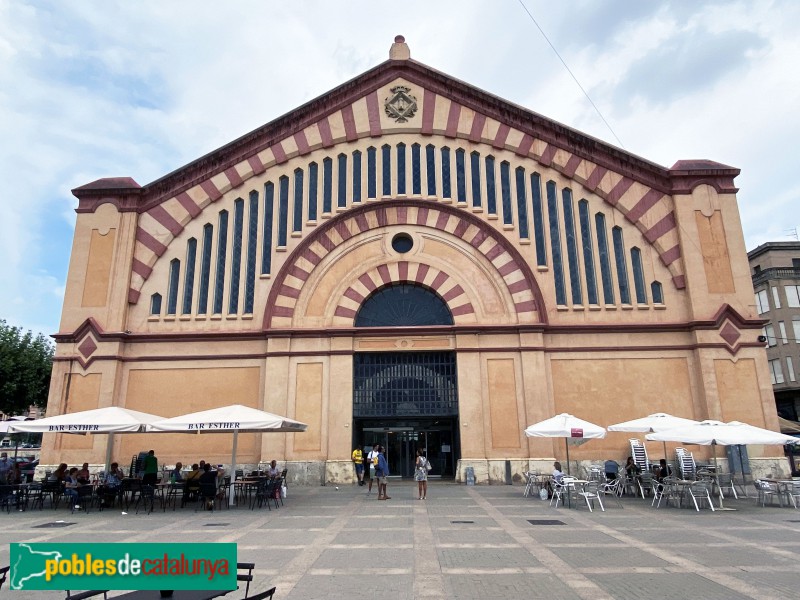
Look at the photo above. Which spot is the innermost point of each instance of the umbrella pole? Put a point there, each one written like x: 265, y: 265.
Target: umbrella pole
x: 716, y: 471
x: 566, y: 443
x: 232, y: 491
x: 109, y: 450
x: 666, y: 458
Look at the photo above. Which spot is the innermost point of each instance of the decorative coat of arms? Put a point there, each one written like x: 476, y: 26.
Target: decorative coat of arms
x: 401, y: 105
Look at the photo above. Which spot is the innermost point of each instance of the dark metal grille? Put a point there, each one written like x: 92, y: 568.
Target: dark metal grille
x: 403, y: 305
x: 405, y: 384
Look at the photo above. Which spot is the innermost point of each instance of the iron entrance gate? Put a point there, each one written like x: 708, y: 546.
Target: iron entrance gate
x: 408, y: 401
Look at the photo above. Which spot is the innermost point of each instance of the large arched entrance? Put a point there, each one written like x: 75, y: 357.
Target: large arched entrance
x: 407, y: 401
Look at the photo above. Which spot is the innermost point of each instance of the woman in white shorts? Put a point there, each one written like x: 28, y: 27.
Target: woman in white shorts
x: 421, y: 474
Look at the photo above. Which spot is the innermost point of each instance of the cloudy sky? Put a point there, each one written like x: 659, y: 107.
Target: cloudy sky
x: 100, y: 89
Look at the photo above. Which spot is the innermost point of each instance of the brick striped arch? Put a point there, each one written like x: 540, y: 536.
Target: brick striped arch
x: 641, y: 191
x: 402, y: 272
x: 510, y: 265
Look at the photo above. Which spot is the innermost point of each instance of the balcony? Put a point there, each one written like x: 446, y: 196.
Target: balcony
x: 775, y: 273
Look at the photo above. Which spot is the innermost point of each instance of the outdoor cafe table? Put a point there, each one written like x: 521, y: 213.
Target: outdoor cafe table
x: 782, y: 487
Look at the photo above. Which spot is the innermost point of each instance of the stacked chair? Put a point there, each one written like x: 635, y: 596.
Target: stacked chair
x: 639, y: 454
x: 686, y: 463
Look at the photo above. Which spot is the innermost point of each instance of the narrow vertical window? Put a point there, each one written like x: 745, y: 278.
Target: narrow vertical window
x: 446, y: 191
x: 357, y: 176
x: 372, y: 186
x: 297, y: 211
x: 491, y: 197
x: 341, y: 191
x: 658, y: 292
x: 252, y: 242
x: 416, y: 170
x: 174, y: 277
x: 588, y: 256
x: 188, y: 281
x: 313, y: 181
x: 522, y: 204
x: 638, y: 276
x: 622, y: 265
x: 461, y: 176
x: 266, y: 244
x: 283, y: 209
x: 475, y: 164
x: 430, y: 164
x: 386, y: 158
x: 205, y: 269
x: 538, y: 219
x: 572, y: 247
x: 401, y: 168
x: 222, y: 255
x: 505, y: 193
x: 327, y: 185
x: 555, y: 243
x: 155, y: 304
x: 605, y: 258
x: 236, y: 255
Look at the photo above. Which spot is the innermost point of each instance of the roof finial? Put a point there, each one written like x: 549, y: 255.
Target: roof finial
x: 399, y: 50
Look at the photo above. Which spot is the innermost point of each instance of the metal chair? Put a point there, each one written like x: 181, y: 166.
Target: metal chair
x: 147, y: 497
x: 3, y: 575
x: 81, y: 595
x: 560, y: 488
x: 248, y: 577
x: 646, y: 483
x: 766, y: 490
x: 792, y: 491
x: 531, y: 481
x: 264, y: 595
x: 725, y: 482
x: 590, y: 493
x: 612, y: 488
x: 699, y: 490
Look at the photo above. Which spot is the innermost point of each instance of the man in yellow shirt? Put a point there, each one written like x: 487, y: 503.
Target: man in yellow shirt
x: 358, y: 461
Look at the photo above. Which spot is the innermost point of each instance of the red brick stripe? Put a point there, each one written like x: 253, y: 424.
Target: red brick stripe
x: 353, y: 295
x: 150, y: 242
x: 133, y: 296
x: 367, y: 281
x: 548, y: 154
x: 289, y: 291
x: 518, y: 286
x: 454, y: 292
x: 279, y: 153
x: 476, y: 131
x: 439, y: 280
x: 402, y: 215
x: 527, y: 306
x: 343, y: 231
x: 343, y: 311
x: 325, y: 133
x: 679, y: 281
x: 402, y: 269
x: 572, y: 165
x: 302, y: 143
x: 141, y: 269
x: 502, y: 134
x: 441, y: 221
x: 665, y: 225
x: 282, y: 311
x: 160, y: 214
x: 311, y: 256
x: 508, y: 268
x: 422, y: 271
x: 383, y: 271
x: 233, y: 176
x: 428, y: 109
x: 524, y: 145
x: 464, y: 309
x: 209, y: 188
x: 648, y: 201
x: 671, y: 255
x: 326, y: 242
x: 256, y: 164
x: 349, y: 123
x: 381, y: 215
x: 479, y: 238
x: 373, y: 112
x: 299, y: 273
x: 496, y: 251
x: 186, y: 202
x: 461, y: 229
x: 596, y: 177
x: 452, y: 120
x: 623, y: 185
x: 422, y: 216
x: 361, y: 221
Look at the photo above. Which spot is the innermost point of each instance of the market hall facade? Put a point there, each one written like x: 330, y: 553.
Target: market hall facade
x: 409, y: 260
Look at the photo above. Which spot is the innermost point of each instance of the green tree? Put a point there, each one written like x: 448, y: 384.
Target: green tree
x: 25, y: 365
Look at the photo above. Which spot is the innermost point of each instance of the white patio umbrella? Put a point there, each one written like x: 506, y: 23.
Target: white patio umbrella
x: 4, y: 428
x: 572, y: 429
x: 653, y: 423
x: 110, y: 420
x: 717, y: 433
x: 234, y: 419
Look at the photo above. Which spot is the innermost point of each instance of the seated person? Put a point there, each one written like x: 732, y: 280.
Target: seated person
x: 15, y: 476
x: 557, y: 476
x: 60, y: 474
x: 208, y: 479
x: 71, y: 485
x: 631, y: 468
x: 84, y: 477
x: 193, y: 477
x: 612, y: 470
x: 663, y: 470
x: 273, y: 470
x: 111, y: 484
x: 176, y: 475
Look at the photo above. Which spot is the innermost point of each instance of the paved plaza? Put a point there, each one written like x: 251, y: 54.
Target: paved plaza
x: 465, y: 542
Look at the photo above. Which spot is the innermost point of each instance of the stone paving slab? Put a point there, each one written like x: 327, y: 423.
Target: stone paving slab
x: 332, y: 544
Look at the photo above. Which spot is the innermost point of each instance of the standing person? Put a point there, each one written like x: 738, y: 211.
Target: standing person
x: 150, y: 469
x: 382, y: 473
x: 421, y: 474
x: 5, y: 467
x: 372, y: 459
x: 358, y: 461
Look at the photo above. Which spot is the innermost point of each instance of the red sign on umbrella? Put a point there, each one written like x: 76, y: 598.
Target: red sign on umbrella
x: 576, y: 432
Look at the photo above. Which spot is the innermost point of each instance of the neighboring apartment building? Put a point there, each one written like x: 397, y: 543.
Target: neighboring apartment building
x: 775, y: 267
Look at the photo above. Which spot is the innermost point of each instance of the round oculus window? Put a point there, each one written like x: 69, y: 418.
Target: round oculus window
x: 402, y: 243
